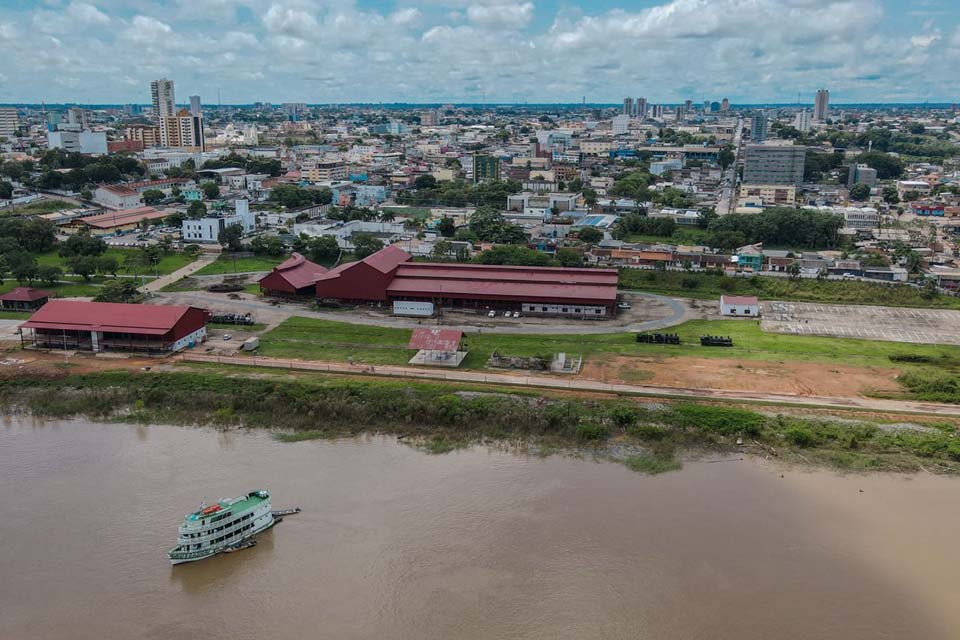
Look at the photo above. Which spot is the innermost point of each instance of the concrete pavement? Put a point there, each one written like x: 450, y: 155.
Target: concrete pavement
x: 155, y: 285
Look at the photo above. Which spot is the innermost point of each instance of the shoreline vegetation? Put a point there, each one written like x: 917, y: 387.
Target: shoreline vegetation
x: 646, y: 436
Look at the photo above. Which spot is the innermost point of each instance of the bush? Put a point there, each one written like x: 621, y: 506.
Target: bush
x: 720, y: 420
x: 690, y: 282
x: 648, y: 432
x: 652, y: 464
x: 800, y: 436
x: 623, y: 416
x: 592, y: 431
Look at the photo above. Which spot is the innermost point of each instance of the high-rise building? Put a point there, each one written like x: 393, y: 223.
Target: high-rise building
x: 183, y: 131
x: 164, y: 102
x: 642, y: 108
x: 9, y: 121
x: 778, y: 162
x: 821, y: 108
x: 801, y: 122
x: 628, y: 107
x: 485, y: 168
x: 862, y: 174
x: 688, y: 106
x: 758, y: 127
x: 725, y: 105
x: 195, y: 109
x: 79, y: 117
x: 620, y: 124
x: 148, y: 135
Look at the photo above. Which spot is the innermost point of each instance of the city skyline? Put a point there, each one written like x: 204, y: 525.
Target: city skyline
x: 319, y: 52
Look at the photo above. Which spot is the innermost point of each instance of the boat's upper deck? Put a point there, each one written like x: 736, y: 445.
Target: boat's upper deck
x: 234, y: 506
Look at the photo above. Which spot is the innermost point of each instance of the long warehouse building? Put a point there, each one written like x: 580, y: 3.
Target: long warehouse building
x: 111, y: 326
x: 389, y: 275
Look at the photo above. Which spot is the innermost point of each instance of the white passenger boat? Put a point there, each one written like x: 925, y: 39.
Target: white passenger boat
x: 224, y: 525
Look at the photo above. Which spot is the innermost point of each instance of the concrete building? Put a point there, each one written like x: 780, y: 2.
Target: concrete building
x: 801, y: 122
x: 207, y: 230
x: 620, y: 125
x: 183, y: 130
x: 628, y: 107
x: 118, y: 197
x: 321, y: 170
x: 9, y: 121
x: 642, y: 108
x: 485, y: 168
x: 766, y: 195
x: 821, y: 108
x: 162, y: 97
x: 79, y: 141
x: 739, y: 306
x: 758, y: 127
x: 862, y: 174
x: 148, y: 136
x: 195, y: 108
x: 774, y: 163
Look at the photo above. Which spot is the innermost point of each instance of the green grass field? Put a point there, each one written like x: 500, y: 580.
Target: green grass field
x: 225, y: 265
x: 38, y: 208
x: 14, y: 315
x: 168, y: 263
x: 682, y: 235
x: 312, y: 339
x: 706, y: 286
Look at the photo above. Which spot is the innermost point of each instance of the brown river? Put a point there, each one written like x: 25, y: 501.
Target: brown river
x: 394, y: 543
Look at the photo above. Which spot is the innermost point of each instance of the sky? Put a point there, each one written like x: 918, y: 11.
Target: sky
x: 329, y: 51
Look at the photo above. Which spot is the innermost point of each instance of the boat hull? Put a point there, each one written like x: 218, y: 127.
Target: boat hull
x: 184, y: 558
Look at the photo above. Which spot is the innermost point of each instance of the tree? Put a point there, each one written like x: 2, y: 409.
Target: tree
x: 231, y: 237
x: 83, y: 266
x: 196, y: 209
x: 589, y: 196
x: 489, y: 225
x: 887, y: 166
x: 210, y: 190
x: 513, y: 255
x: 119, y: 291
x: 589, y: 234
x: 445, y: 227
x: 425, y: 181
x: 890, y: 195
x: 153, y: 196
x: 442, y: 250
x: 569, y: 258
x: 860, y: 192
x: 108, y: 264
x: 49, y: 274
x: 324, y: 249
x: 22, y: 265
x: 6, y: 190
x: 175, y: 219
x: 82, y: 244
x: 387, y: 215
x: 365, y: 244
x: 794, y: 270
x: 726, y: 157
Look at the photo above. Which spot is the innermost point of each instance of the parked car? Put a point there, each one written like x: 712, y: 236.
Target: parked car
x: 492, y: 314
x: 227, y: 336
x: 623, y: 305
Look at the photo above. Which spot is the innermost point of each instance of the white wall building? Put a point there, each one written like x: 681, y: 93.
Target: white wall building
x: 207, y: 230
x: 739, y: 306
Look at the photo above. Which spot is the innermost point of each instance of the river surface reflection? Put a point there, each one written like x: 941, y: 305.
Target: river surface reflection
x: 393, y: 543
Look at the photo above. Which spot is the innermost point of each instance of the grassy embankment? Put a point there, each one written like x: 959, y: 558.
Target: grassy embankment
x: 74, y: 287
x: 313, y: 339
x: 225, y: 265
x: 707, y: 286
x: 441, y: 417
x: 169, y: 263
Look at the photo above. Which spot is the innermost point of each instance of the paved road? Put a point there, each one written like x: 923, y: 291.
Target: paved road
x: 575, y: 384
x: 155, y: 285
x: 264, y: 311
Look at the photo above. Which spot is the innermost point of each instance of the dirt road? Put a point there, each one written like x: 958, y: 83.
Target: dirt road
x: 563, y: 383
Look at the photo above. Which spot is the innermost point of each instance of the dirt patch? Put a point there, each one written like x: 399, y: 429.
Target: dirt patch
x: 801, y: 378
x: 43, y: 364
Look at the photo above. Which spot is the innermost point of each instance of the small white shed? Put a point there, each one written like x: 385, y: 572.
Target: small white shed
x: 740, y: 306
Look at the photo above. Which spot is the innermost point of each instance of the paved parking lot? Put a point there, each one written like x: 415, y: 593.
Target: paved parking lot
x: 926, y: 326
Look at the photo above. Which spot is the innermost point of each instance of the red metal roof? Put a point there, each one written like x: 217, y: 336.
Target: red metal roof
x: 435, y: 339
x: 496, y: 290
x: 74, y: 315
x: 387, y: 259
x: 749, y: 300
x: 122, y: 218
x: 25, y: 294
x: 556, y: 275
x: 298, y: 271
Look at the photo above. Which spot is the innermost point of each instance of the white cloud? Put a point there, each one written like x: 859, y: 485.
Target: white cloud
x: 501, y: 15
x: 86, y: 14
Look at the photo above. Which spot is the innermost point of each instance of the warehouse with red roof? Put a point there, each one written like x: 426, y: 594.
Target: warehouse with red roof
x: 389, y: 275
x: 110, y: 326
x: 295, y: 276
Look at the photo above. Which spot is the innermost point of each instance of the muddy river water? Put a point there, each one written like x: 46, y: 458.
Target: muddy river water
x: 394, y: 543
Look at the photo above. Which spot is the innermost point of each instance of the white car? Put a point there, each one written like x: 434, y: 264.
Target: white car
x: 492, y: 314
x: 227, y: 336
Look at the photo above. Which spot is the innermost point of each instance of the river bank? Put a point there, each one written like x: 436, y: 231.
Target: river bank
x: 649, y: 436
